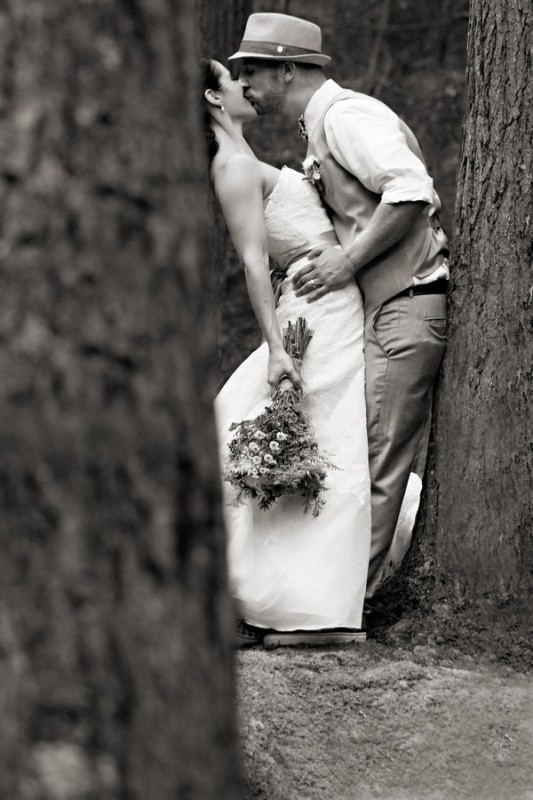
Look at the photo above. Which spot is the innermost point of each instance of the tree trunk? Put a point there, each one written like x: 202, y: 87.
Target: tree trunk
x: 476, y: 549
x: 221, y: 28
x: 116, y: 672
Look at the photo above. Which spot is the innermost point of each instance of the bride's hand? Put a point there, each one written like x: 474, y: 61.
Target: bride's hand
x: 328, y: 269
x: 280, y: 366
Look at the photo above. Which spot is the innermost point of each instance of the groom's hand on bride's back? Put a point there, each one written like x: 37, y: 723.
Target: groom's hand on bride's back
x: 327, y: 269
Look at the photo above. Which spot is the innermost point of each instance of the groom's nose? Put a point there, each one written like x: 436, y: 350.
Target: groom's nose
x: 242, y: 79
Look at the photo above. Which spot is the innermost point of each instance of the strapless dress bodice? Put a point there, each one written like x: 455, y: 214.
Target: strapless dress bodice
x: 296, y: 221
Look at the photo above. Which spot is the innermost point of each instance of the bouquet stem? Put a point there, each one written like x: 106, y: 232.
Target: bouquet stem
x: 296, y: 338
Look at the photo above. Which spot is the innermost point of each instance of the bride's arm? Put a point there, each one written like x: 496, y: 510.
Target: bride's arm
x: 239, y: 189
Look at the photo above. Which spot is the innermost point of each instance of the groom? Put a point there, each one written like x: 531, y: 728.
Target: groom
x: 369, y: 169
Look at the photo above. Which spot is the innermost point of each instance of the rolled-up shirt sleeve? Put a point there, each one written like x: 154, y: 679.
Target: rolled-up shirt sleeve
x: 365, y: 137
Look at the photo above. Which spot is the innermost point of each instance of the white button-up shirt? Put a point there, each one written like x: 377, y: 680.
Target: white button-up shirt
x: 365, y: 138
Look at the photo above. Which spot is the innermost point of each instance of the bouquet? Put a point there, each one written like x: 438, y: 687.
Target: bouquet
x: 276, y: 453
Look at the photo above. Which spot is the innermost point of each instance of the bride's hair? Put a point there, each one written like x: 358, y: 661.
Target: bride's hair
x: 210, y: 80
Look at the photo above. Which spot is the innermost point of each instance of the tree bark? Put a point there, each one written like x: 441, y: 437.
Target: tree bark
x: 116, y: 668
x: 475, y: 547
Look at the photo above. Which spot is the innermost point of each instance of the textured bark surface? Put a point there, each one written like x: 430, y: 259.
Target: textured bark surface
x: 476, y: 546
x: 116, y: 670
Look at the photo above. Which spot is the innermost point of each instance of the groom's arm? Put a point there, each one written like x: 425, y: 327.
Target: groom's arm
x: 332, y: 268
x: 366, y: 139
x: 390, y: 223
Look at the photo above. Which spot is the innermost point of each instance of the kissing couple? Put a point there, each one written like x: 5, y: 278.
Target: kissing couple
x: 361, y: 256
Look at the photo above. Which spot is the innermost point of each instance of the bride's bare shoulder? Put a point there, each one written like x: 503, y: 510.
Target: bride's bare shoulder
x: 236, y: 163
x: 237, y: 172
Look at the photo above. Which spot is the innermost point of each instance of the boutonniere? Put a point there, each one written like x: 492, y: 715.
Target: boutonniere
x: 311, y: 167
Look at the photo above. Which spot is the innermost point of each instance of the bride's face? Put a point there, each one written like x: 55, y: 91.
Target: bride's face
x: 233, y: 99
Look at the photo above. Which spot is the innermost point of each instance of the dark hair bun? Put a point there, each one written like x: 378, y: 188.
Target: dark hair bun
x: 210, y: 80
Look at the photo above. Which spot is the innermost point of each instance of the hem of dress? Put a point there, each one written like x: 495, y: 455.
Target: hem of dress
x: 309, y: 628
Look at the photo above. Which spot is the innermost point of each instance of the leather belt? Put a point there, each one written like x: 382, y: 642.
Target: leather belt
x: 435, y: 287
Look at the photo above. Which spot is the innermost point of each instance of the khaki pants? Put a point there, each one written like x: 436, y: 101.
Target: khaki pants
x: 404, y: 345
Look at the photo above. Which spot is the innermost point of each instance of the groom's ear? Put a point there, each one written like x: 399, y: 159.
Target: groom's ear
x: 287, y: 71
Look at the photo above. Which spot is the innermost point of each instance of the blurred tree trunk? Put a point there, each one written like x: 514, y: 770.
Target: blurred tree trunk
x: 476, y: 547
x: 116, y: 667
x: 221, y: 27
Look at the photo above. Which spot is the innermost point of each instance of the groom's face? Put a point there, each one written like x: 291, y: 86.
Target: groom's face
x: 263, y: 85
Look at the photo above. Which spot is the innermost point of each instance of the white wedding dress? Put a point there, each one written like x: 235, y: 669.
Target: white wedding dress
x: 289, y: 570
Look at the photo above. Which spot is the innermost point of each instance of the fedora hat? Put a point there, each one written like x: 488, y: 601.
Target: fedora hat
x: 279, y: 37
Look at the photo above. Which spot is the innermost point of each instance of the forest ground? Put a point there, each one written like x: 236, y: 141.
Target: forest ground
x: 387, y: 721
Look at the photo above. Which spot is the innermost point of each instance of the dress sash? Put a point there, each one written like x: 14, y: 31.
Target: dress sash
x: 279, y: 272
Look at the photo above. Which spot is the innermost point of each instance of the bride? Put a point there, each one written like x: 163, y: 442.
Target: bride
x: 297, y: 579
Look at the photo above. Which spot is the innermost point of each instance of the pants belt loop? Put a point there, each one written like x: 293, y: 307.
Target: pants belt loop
x: 411, y: 291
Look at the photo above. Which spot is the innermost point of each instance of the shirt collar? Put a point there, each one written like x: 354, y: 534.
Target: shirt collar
x: 318, y: 102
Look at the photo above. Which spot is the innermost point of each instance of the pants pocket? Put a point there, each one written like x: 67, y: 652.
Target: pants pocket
x: 436, y: 328
x: 386, y: 327
x: 434, y: 317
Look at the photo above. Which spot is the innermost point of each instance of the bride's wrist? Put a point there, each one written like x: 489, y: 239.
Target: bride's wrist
x: 275, y: 347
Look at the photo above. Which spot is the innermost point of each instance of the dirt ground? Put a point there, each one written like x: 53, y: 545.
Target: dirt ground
x: 372, y: 720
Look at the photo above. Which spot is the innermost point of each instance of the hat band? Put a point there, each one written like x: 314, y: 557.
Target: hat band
x: 276, y: 49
